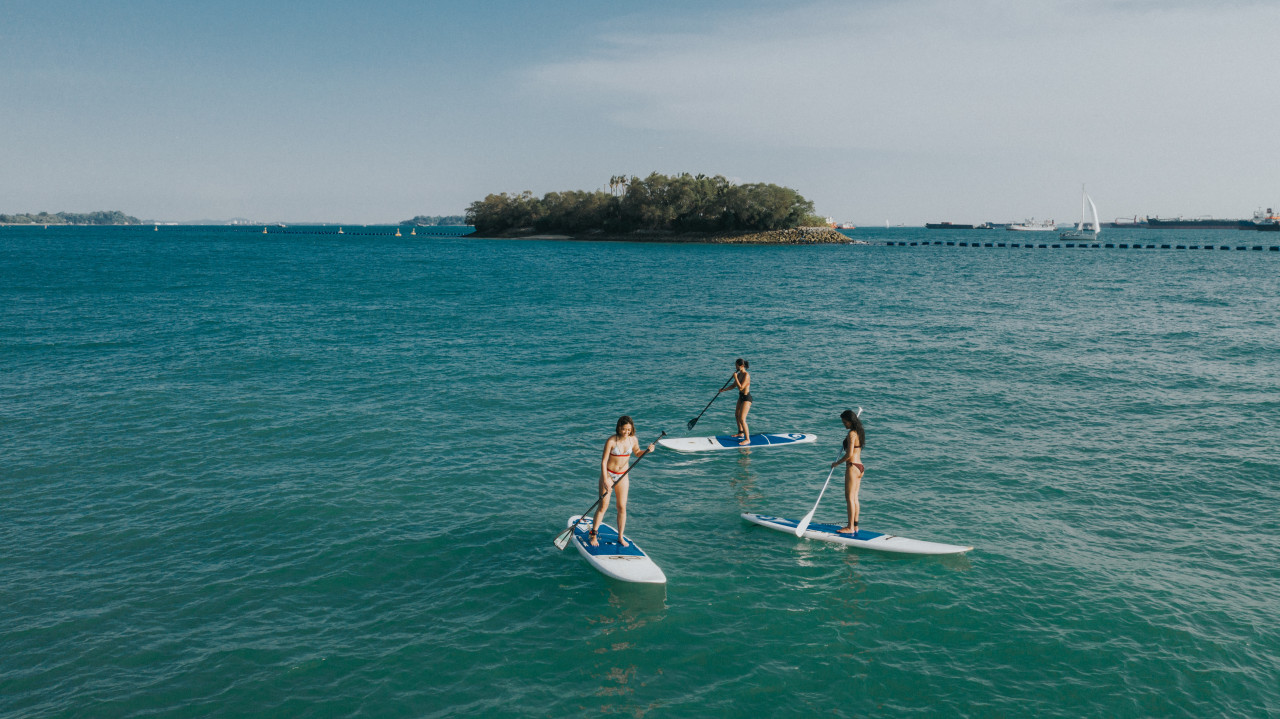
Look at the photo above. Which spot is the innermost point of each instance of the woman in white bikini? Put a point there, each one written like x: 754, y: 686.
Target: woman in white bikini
x: 853, y: 468
x: 742, y: 381
x: 613, y: 475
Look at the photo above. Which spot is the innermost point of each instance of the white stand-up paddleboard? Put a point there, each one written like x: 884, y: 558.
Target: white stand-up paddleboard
x: 628, y: 564
x: 864, y: 538
x: 705, y: 444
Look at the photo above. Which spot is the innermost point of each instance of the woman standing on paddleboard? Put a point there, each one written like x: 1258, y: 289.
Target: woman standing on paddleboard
x: 853, y: 466
x: 613, y: 474
x: 742, y: 381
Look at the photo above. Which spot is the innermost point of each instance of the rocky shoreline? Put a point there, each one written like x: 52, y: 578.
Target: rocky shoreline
x: 797, y: 236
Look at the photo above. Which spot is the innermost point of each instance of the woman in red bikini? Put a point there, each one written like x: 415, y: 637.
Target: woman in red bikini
x: 613, y: 474
x: 853, y: 466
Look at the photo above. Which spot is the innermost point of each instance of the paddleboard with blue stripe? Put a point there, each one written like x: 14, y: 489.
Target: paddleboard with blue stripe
x: 706, y: 444
x: 865, y: 539
x: 627, y: 564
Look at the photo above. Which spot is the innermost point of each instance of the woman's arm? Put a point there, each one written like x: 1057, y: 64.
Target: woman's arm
x: 604, y: 461
x: 642, y: 452
x: 848, y: 454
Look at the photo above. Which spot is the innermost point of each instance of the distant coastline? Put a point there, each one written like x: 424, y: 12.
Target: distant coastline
x: 436, y: 220
x: 102, y: 217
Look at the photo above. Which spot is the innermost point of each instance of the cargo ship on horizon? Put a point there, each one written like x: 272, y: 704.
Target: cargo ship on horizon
x: 1267, y: 221
x: 1197, y: 223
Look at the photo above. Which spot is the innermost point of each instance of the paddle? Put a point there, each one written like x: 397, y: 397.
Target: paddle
x: 562, y: 539
x: 704, y: 409
x: 804, y: 523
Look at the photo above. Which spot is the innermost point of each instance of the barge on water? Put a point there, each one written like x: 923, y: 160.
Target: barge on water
x: 956, y: 226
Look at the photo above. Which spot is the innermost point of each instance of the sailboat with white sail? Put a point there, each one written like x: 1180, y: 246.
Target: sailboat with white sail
x: 1085, y: 230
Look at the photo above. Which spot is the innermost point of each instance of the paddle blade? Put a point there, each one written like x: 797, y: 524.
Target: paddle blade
x: 692, y: 422
x: 562, y: 539
x: 804, y: 523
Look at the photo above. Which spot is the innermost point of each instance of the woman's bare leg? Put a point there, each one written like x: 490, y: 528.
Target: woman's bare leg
x: 604, y: 504
x: 622, y: 510
x: 743, y: 408
x: 857, y: 504
x: 851, y: 486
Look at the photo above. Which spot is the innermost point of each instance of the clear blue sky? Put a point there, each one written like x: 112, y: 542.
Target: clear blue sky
x: 899, y: 111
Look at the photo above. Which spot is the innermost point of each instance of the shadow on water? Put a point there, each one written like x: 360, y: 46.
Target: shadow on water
x: 814, y: 552
x: 634, y: 600
x: 954, y: 562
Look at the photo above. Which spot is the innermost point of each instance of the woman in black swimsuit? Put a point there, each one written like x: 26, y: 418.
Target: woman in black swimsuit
x: 742, y: 381
x: 853, y: 466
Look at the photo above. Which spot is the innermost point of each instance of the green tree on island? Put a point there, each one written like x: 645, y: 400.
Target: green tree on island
x: 102, y: 217
x: 683, y: 203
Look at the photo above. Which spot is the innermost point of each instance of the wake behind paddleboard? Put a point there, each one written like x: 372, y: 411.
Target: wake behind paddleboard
x: 865, y: 539
x: 627, y: 564
x: 706, y: 444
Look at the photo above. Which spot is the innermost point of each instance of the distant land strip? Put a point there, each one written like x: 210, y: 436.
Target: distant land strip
x: 103, y: 217
x: 436, y: 220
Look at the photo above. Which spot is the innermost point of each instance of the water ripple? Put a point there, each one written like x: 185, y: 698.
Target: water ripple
x: 303, y: 476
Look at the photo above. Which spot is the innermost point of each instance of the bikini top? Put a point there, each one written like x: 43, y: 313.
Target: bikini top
x: 846, y: 444
x: 617, y: 445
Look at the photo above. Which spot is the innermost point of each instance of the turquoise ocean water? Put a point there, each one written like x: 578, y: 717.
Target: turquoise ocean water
x: 318, y: 476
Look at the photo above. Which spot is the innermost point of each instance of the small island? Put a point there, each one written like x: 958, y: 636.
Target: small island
x: 657, y: 208
x: 102, y: 217
x: 436, y: 221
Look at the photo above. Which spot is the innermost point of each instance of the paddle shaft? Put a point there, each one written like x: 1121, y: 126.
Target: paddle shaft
x: 611, y: 485
x: 803, y: 524
x: 713, y: 399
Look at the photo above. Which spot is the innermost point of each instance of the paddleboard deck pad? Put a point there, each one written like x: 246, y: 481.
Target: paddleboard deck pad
x: 865, y: 538
x: 706, y: 444
x: 627, y: 564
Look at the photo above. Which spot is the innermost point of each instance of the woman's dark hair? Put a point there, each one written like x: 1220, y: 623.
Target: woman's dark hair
x: 742, y: 363
x: 852, y: 419
x: 623, y: 421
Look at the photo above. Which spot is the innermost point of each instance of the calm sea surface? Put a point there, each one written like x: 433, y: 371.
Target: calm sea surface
x: 315, y: 475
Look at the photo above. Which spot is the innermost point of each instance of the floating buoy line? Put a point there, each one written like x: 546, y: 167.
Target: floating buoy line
x: 388, y: 232
x: 1082, y: 245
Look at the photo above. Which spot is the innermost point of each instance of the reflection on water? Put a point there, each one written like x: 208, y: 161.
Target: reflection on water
x: 744, y: 483
x: 954, y: 562
x: 635, y: 602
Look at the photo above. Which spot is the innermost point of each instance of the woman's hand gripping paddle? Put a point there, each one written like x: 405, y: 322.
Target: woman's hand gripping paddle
x: 562, y: 539
x: 804, y: 523
x: 704, y: 409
